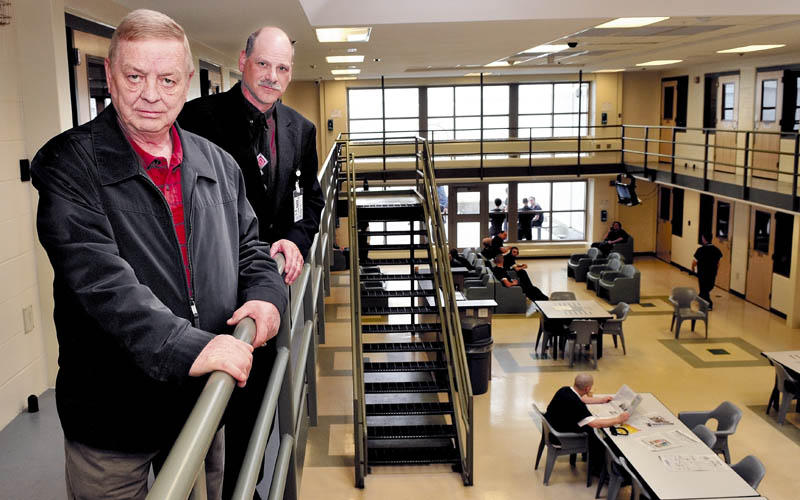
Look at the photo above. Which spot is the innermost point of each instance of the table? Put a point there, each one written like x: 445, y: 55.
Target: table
x: 575, y: 309
x: 791, y: 361
x: 660, y: 469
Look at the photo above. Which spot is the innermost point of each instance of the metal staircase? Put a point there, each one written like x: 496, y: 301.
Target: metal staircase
x: 412, y: 394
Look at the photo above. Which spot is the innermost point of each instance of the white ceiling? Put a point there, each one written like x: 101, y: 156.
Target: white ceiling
x: 418, y: 38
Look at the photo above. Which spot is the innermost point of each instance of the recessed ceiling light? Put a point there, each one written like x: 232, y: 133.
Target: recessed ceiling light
x: 750, y: 48
x: 349, y: 71
x: 478, y: 74
x: 344, y: 59
x: 345, y: 78
x: 631, y: 22
x: 547, y: 48
x: 660, y: 62
x: 609, y: 70
x: 343, y: 34
x: 497, y: 64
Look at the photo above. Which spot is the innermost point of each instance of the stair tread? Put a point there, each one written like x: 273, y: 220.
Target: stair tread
x: 395, y: 293
x: 396, y: 262
x: 395, y: 232
x: 402, y: 346
x: 404, y: 366
x: 413, y: 455
x: 411, y: 431
x: 383, y: 311
x: 395, y: 246
x: 404, y: 387
x: 394, y: 277
x: 415, y: 328
x: 390, y: 409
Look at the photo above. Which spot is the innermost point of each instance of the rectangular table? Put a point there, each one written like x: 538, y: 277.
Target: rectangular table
x: 481, y: 308
x: 575, y: 309
x: 791, y: 361
x: 659, y: 464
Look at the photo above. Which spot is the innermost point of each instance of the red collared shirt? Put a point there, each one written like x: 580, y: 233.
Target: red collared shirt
x: 167, y: 178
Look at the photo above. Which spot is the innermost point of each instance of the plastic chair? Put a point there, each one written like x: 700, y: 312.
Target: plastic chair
x: 789, y: 390
x: 613, y: 473
x: 751, y: 470
x: 578, y: 264
x: 613, y: 326
x: 584, y: 332
x: 638, y: 490
x: 565, y: 443
x: 727, y: 416
x: 562, y: 296
x: 597, y: 270
x: 621, y: 286
x: 681, y: 299
x: 705, y: 434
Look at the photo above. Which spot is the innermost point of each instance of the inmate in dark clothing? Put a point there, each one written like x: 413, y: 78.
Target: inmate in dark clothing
x: 707, y: 257
x: 494, y: 248
x: 613, y: 234
x: 564, y: 413
x: 531, y: 291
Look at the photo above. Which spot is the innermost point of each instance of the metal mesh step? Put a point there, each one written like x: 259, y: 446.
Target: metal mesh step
x: 410, y: 431
x: 394, y: 246
x: 404, y: 387
x: 404, y: 366
x: 417, y: 455
x: 403, y: 346
x: 383, y: 311
x: 394, y: 277
x: 406, y: 328
x: 392, y: 409
x: 395, y: 232
x: 396, y: 262
x: 376, y: 294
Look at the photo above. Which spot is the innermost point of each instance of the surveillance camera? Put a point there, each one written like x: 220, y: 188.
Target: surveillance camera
x: 572, y: 45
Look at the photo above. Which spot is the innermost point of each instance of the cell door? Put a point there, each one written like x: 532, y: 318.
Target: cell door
x: 669, y: 110
x: 723, y: 230
x: 465, y: 218
x: 769, y: 100
x: 727, y: 121
x: 664, y: 224
x: 759, y: 259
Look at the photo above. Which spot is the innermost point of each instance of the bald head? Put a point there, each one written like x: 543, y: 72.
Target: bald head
x: 266, y: 66
x: 583, y: 382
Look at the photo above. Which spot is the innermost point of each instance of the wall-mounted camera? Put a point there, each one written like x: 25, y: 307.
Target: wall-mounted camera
x: 572, y: 45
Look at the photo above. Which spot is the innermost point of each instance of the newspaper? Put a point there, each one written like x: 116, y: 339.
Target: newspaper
x: 692, y: 463
x: 626, y: 400
x: 659, y: 442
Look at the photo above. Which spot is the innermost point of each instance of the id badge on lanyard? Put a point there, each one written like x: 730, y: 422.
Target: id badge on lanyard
x: 297, y: 197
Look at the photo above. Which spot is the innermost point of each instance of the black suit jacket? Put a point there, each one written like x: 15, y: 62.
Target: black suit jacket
x: 221, y: 118
x: 566, y: 410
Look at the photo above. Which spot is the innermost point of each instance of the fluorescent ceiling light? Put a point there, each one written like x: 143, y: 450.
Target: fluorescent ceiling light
x: 547, y: 49
x: 477, y: 74
x: 660, y: 62
x: 750, y: 48
x: 349, y: 71
x: 345, y: 78
x: 609, y: 70
x: 631, y: 22
x: 343, y: 34
x: 497, y: 64
x: 344, y: 59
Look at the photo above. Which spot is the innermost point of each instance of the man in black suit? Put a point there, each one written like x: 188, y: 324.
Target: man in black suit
x: 567, y: 412
x: 273, y: 144
x: 275, y: 148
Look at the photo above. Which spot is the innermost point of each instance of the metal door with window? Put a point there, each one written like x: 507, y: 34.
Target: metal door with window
x: 466, y: 221
x: 664, y: 224
x: 759, y: 260
x: 727, y: 120
x: 723, y: 230
x: 669, y: 110
x: 769, y: 100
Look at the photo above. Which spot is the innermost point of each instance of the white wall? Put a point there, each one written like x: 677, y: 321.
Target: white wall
x: 684, y: 246
x: 740, y: 244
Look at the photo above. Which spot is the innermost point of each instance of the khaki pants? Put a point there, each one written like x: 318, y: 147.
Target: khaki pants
x: 97, y: 474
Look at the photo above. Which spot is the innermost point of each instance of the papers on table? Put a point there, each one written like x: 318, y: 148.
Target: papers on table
x: 692, y: 463
x: 562, y: 308
x: 667, y: 441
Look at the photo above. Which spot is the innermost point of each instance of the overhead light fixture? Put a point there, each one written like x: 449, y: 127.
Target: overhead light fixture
x: 345, y: 78
x: 348, y: 71
x: 546, y: 49
x: 344, y: 59
x: 325, y: 35
x: 660, y: 62
x: 497, y: 64
x: 477, y: 74
x: 750, y: 48
x: 631, y: 22
x: 609, y: 70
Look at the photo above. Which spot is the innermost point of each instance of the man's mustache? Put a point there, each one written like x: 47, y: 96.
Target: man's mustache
x: 270, y: 84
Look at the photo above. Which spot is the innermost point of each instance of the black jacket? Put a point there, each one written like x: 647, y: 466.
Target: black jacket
x: 221, y: 118
x: 565, y: 411
x: 122, y: 309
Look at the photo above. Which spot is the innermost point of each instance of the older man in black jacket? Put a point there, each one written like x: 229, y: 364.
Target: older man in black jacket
x: 155, y: 251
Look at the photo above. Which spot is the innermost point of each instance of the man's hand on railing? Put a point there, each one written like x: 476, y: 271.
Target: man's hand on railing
x: 227, y: 354
x: 294, y: 259
x: 264, y: 314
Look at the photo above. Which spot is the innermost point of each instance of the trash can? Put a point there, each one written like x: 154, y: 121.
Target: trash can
x: 475, y: 330
x: 479, y: 361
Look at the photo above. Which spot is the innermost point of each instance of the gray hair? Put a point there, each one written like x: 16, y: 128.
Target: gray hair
x: 251, y: 40
x: 144, y: 24
x: 583, y: 381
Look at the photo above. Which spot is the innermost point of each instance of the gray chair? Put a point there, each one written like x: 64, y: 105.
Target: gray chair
x: 727, y: 416
x: 620, y: 286
x: 751, y: 470
x: 578, y: 264
x: 625, y: 249
x: 596, y: 271
x: 613, y: 326
x: 705, y: 434
x: 788, y: 389
x: 562, y: 296
x: 638, y: 490
x: 612, y: 473
x: 682, y: 299
x: 510, y: 300
x: 565, y: 443
x: 583, y: 332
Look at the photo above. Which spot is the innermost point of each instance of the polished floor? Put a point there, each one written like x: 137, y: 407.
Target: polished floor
x: 683, y: 374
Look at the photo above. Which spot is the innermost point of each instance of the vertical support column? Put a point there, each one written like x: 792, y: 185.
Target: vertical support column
x: 622, y: 144
x: 745, y: 189
x: 580, y: 96
x: 672, y: 159
x: 705, y: 161
x: 481, y: 144
x: 646, y: 144
x: 795, y: 201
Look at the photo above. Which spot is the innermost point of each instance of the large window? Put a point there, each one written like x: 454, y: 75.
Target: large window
x: 559, y: 208
x: 455, y: 112
x: 368, y: 119
x: 553, y: 109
